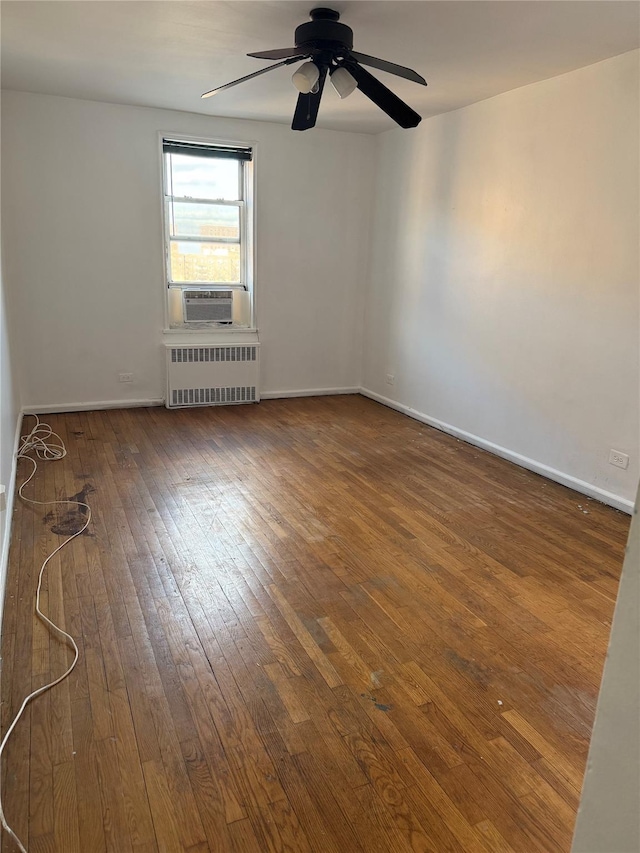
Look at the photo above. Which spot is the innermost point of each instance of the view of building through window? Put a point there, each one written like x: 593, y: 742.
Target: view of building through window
x: 204, y: 201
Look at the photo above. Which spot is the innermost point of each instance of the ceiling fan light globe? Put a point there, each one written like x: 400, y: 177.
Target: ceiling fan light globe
x: 343, y: 82
x: 306, y: 77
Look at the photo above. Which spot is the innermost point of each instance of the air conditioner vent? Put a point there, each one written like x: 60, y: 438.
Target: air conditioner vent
x: 208, y: 306
x: 208, y: 294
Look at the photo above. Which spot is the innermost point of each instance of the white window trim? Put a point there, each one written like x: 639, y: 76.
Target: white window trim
x: 248, y: 219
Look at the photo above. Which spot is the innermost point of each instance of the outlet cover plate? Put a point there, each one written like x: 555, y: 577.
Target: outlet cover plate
x: 619, y: 459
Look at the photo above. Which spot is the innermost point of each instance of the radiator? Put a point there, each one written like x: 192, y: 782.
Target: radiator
x: 212, y: 376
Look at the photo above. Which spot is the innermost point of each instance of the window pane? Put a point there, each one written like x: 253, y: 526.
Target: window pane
x: 187, y: 219
x: 205, y: 262
x: 203, y: 177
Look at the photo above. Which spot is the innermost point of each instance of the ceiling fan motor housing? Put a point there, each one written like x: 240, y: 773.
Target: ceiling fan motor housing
x: 324, y: 32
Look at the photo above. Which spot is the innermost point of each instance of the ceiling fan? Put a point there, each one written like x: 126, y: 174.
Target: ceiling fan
x: 328, y: 47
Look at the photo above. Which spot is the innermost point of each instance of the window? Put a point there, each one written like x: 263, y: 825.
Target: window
x: 208, y: 219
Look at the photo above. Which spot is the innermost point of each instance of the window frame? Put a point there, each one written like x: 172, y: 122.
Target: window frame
x: 247, y: 213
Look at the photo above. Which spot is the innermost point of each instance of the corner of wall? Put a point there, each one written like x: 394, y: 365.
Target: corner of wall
x: 10, y: 424
x: 608, y: 817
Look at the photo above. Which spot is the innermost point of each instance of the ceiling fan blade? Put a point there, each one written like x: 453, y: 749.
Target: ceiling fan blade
x: 250, y: 76
x: 390, y: 67
x: 382, y: 97
x: 308, y: 105
x: 282, y: 53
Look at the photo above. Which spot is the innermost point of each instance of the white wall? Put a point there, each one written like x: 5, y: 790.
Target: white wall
x: 609, y: 818
x: 84, y: 254
x: 504, y: 285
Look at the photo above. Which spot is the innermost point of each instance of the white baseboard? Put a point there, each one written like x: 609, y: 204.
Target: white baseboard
x: 523, y: 461
x: 307, y: 392
x: 56, y: 408
x: 8, y: 515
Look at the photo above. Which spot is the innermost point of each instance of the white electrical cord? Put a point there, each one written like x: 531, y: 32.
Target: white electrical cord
x: 45, y: 444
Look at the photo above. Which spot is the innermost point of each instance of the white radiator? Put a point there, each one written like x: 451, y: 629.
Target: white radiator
x: 212, y: 376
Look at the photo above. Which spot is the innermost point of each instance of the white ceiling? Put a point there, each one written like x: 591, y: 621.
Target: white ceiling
x: 165, y: 54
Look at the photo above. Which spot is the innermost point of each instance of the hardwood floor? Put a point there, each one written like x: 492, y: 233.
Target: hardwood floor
x: 308, y: 625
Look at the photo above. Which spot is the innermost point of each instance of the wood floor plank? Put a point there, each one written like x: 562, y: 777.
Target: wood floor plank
x: 65, y: 807
x: 308, y: 625
x: 90, y: 817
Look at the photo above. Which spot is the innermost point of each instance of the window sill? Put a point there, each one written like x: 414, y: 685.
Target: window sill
x: 193, y: 337
x: 210, y: 330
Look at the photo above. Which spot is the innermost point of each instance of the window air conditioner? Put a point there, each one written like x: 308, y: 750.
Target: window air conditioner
x: 208, y: 306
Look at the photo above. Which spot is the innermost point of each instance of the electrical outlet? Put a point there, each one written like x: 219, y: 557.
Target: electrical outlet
x: 620, y: 460
x: 125, y: 377
x: 391, y: 379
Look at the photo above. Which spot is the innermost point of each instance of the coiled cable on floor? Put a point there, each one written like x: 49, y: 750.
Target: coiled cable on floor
x: 42, y: 443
